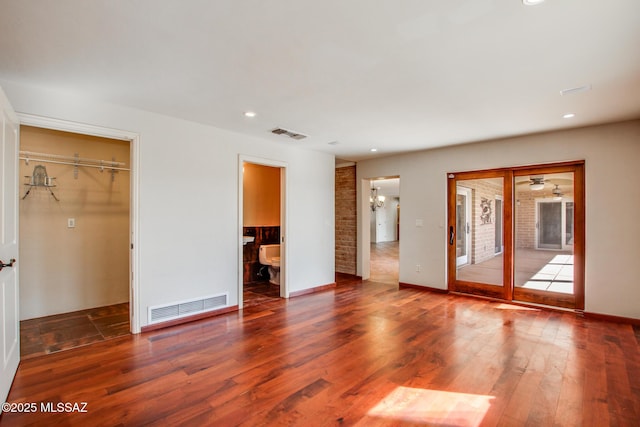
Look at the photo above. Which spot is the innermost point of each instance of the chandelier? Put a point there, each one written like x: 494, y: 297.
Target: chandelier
x: 376, y: 201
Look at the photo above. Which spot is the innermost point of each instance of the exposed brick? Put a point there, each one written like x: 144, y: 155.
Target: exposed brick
x: 346, y: 220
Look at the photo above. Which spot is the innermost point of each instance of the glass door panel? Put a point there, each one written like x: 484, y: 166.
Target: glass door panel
x: 477, y: 220
x: 544, y: 255
x: 549, y: 225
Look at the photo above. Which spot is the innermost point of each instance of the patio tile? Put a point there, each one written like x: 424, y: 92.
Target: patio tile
x: 563, y: 287
x: 541, y: 285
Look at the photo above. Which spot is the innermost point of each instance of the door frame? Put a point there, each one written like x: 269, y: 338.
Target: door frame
x: 576, y: 300
x: 363, y: 257
x: 284, y: 277
x: 504, y: 291
x: 134, y: 217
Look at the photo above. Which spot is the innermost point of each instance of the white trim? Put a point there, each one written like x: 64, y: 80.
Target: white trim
x: 468, y: 213
x: 363, y: 206
x: 284, y: 215
x: 501, y: 198
x: 134, y: 138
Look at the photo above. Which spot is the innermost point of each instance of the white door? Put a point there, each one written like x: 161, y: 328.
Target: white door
x: 9, y: 317
x: 463, y: 226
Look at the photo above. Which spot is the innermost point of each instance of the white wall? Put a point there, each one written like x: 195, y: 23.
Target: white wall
x: 188, y: 243
x: 612, y: 168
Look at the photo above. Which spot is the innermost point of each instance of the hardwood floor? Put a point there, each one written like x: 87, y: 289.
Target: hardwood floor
x: 384, y: 262
x: 362, y: 354
x: 51, y: 334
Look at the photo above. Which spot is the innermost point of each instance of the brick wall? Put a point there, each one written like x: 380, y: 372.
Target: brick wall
x: 525, y: 225
x: 345, y: 205
x: 483, y: 231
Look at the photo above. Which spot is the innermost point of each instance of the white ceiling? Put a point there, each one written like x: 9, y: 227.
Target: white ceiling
x: 396, y: 75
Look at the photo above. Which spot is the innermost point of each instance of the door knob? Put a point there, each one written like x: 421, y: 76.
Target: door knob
x: 3, y: 265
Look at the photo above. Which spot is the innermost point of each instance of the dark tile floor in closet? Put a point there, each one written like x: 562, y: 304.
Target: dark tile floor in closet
x: 51, y: 334
x: 256, y: 293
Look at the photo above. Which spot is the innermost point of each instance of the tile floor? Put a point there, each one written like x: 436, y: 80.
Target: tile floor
x: 534, y: 269
x: 256, y: 293
x: 51, y: 334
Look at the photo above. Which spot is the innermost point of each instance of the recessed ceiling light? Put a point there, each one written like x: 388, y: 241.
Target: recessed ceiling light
x: 249, y: 114
x: 568, y: 116
x: 532, y: 2
x: 373, y: 150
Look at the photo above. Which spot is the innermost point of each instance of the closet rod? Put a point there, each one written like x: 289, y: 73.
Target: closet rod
x: 73, y: 161
x: 75, y: 164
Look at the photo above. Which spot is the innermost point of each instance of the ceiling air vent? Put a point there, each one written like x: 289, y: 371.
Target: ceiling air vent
x: 290, y: 134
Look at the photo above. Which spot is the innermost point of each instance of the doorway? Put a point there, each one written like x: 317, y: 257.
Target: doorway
x: 262, y: 219
x: 133, y: 139
x: 524, y: 238
x: 74, y: 239
x: 384, y: 210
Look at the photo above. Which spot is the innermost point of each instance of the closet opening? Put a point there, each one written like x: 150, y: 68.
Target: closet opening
x: 75, y: 239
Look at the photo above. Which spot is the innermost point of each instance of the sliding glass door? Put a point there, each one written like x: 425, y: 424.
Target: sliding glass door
x: 518, y: 234
x: 548, y: 240
x: 478, y: 232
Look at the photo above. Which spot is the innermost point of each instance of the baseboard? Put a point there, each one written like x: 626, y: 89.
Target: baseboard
x: 347, y: 276
x: 188, y: 319
x: 423, y: 288
x: 312, y: 290
x: 610, y: 318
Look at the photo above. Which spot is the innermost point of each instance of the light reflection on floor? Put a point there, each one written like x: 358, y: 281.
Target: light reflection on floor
x: 415, y: 405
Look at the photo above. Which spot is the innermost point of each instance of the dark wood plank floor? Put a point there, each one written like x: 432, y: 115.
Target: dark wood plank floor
x: 361, y: 354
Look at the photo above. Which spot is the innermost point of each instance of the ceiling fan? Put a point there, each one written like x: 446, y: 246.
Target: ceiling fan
x: 537, y: 182
x: 556, y: 191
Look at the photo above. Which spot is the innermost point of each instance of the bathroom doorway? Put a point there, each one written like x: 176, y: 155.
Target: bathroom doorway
x: 384, y: 211
x: 262, y: 222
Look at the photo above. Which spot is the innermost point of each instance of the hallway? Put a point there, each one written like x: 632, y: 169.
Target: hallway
x: 385, y: 262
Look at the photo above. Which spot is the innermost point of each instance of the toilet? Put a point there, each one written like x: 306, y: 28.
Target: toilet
x: 270, y: 255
